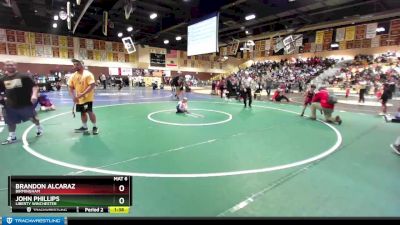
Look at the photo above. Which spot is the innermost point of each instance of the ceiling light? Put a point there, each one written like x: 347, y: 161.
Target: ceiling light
x: 54, y: 25
x: 63, y: 15
x: 178, y: 38
x: 129, y: 29
x: 166, y: 42
x: 247, y: 32
x: 292, y: 0
x: 334, y: 45
x: 380, y: 29
x: 120, y: 34
x: 153, y: 16
x: 56, y: 17
x: 35, y: 11
x: 250, y: 17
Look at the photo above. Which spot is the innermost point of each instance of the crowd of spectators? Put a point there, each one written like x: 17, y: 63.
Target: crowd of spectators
x: 285, y: 74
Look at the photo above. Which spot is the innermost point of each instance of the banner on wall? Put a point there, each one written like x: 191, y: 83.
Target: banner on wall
x: 384, y: 40
x: 89, y: 44
x: 340, y: 34
x: 3, y: 48
x: 267, y: 44
x: 307, y: 47
x: 172, y: 58
x: 47, y: 39
x: 395, y: 27
x: 83, y: 54
x: 328, y: 35
x: 113, y: 71
x: 110, y: 56
x: 3, y: 35
x: 82, y: 43
x: 89, y: 54
x: 360, y: 32
x: 318, y: 47
x: 12, y: 48
x: 63, y: 53
x: 366, y: 43
x: 21, y: 37
x: 56, y: 52
x: 63, y: 41
x: 349, y: 44
x: 299, y: 40
x: 23, y: 49
x: 31, y: 37
x: 47, y: 51
x: 71, y: 53
x: 350, y: 33
x: 55, y: 40
x: 319, y: 37
x: 357, y: 44
x: 114, y: 47
x: 96, y: 44
x: 38, y: 39
x: 121, y: 57
x: 126, y: 58
x: 371, y: 30
x: 70, y: 42
x: 132, y: 58
x: 103, y: 56
x: 126, y: 72
x: 313, y: 47
x: 96, y: 55
x: 342, y: 45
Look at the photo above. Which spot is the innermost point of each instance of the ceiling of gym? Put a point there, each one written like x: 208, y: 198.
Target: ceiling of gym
x: 175, y: 15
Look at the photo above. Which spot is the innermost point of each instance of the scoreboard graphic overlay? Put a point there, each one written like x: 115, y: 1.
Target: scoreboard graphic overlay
x: 78, y: 194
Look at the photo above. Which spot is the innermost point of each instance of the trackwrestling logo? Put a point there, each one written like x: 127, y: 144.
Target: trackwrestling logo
x: 33, y: 220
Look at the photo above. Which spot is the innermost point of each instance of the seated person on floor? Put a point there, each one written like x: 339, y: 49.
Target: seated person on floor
x: 182, y: 106
x: 395, y: 119
x: 45, y: 103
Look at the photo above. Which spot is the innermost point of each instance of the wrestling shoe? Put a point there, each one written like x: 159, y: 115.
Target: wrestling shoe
x: 95, y: 131
x: 39, y: 132
x: 10, y: 140
x: 81, y: 130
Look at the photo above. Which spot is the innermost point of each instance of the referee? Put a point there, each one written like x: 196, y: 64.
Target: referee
x: 246, y: 93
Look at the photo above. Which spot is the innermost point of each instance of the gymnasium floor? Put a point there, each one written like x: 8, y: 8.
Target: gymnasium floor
x: 223, y: 161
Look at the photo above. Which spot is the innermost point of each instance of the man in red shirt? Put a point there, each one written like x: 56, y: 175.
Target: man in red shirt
x: 320, y: 101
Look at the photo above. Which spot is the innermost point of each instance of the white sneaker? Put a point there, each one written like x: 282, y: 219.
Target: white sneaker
x: 39, y: 132
x: 9, y: 140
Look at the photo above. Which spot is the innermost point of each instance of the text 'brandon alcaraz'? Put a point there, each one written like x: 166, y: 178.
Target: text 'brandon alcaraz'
x: 35, y: 188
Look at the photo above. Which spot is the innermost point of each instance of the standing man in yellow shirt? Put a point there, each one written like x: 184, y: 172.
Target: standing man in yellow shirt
x: 81, y: 88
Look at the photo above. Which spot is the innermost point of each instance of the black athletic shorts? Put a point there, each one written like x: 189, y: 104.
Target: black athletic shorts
x: 86, y: 107
x: 18, y: 115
